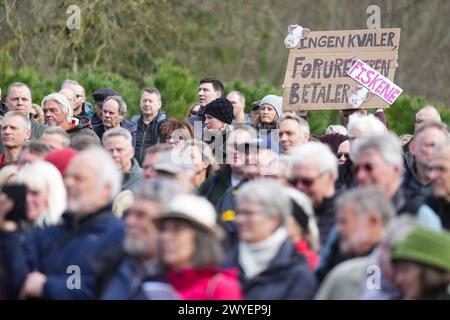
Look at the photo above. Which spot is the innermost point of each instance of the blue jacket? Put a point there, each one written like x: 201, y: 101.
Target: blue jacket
x: 99, y: 129
x: 53, y: 250
x: 287, y: 277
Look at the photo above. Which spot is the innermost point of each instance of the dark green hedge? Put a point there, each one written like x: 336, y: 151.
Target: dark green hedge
x: 178, y: 88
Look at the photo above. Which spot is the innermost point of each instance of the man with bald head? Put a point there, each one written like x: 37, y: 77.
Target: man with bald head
x: 237, y: 99
x: 80, y: 96
x: 427, y: 113
x: 19, y: 99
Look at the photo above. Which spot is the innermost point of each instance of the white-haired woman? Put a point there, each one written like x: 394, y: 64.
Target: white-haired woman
x: 46, y: 194
x: 271, y: 268
x: 202, y: 158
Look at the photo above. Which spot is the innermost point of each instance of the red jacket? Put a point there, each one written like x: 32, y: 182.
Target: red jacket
x: 206, y: 284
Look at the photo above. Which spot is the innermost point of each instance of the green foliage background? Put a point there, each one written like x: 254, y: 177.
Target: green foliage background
x: 178, y: 86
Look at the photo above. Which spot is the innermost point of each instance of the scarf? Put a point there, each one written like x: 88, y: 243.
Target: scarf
x: 255, y: 258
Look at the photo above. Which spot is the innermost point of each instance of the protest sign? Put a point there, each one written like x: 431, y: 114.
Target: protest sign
x: 375, y: 82
x: 316, y: 74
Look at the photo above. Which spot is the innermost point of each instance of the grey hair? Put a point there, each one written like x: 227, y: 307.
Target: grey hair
x: 26, y: 121
x: 15, y: 85
x: 388, y: 146
x: 205, y: 150
x: 366, y: 200
x: 107, y: 171
x: 70, y: 81
x: 302, y: 123
x: 36, y: 147
x: 431, y: 124
x: 160, y: 190
x: 120, y: 102
x: 398, y: 229
x: 239, y: 94
x: 268, y: 194
x: 367, y: 125
x: 154, y: 91
x: 56, y: 130
x: 62, y: 101
x: 437, y: 116
x: 114, y: 132
x: 319, y: 153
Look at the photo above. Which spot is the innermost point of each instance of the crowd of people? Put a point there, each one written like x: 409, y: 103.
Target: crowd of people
x: 222, y: 205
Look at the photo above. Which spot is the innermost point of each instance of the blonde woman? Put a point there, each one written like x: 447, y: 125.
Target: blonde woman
x: 46, y: 194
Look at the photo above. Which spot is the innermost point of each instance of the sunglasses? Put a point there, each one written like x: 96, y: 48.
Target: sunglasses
x: 340, y: 154
x: 307, y: 182
x: 367, y: 167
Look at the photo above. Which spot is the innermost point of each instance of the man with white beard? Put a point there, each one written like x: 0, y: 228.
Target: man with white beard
x: 129, y: 271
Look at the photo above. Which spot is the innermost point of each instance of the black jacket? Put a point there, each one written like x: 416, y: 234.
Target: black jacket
x: 147, y: 134
x: 325, y: 216
x: 287, y: 277
x: 215, y: 186
x: 442, y: 209
x: 3, y: 109
x: 413, y: 187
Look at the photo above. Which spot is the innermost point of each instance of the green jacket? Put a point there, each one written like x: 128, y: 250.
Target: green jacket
x: 132, y: 177
x: 215, y: 186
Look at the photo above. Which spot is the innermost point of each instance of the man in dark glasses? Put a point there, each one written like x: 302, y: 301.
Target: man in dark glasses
x: 378, y: 161
x: 359, y: 126
x: 343, y: 152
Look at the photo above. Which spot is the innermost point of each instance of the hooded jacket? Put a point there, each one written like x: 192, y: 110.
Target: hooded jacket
x: 83, y: 126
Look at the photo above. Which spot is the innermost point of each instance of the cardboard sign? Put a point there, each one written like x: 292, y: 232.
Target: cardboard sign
x: 316, y: 74
x: 375, y: 82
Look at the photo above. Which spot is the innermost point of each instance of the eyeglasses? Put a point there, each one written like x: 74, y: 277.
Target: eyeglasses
x: 307, y: 182
x: 340, y: 154
x: 366, y: 166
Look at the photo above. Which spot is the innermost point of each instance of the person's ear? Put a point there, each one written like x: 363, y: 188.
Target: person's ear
x: 412, y: 147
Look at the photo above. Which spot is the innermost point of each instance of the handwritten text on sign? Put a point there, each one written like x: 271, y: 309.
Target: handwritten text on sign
x: 375, y: 82
x: 316, y: 73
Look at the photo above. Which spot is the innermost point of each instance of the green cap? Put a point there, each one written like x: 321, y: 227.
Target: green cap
x: 426, y: 246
